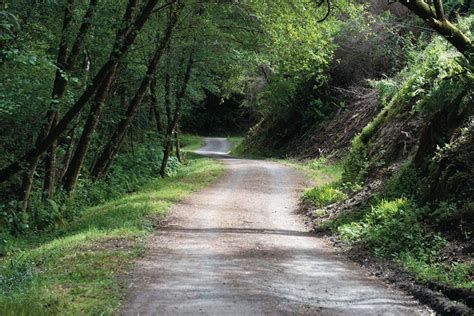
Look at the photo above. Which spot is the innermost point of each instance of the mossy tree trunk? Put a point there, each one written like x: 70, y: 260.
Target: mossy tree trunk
x: 434, y: 16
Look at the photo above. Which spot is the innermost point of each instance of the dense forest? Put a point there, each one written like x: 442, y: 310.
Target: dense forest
x: 100, y: 102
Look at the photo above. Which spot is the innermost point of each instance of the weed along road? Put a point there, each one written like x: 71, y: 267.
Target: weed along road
x: 238, y: 248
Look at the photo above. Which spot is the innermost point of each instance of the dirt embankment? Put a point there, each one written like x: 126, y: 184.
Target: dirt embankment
x: 335, y: 135
x: 332, y: 136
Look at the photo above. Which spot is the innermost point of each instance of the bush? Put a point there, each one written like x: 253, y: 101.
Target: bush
x: 356, y: 164
x: 324, y: 195
x: 387, y: 89
x: 408, y: 182
x: 456, y: 274
x: 391, y: 228
x: 130, y: 171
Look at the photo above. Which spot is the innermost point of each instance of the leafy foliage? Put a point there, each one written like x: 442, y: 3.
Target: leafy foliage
x: 77, y: 268
x: 324, y: 195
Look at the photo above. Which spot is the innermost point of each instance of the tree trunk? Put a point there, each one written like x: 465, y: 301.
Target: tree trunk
x: 169, y: 119
x: 58, y: 93
x: 50, y: 166
x: 56, y: 132
x: 166, y: 156
x: 115, y: 142
x: 439, y: 23
x: 155, y: 108
x: 67, y: 157
x: 72, y: 173
x: 173, y: 121
x: 26, y: 185
x: 177, y: 144
x: 66, y: 66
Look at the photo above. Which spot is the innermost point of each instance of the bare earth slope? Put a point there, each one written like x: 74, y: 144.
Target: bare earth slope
x: 238, y: 248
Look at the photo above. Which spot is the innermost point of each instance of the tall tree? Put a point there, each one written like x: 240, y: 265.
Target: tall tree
x: 72, y: 173
x: 60, y: 83
x: 113, y: 146
x: 58, y: 92
x: 155, y: 108
x: 67, y: 118
x: 173, y: 119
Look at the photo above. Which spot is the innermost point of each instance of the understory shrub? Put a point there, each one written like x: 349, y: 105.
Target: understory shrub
x: 456, y: 274
x: 393, y: 227
x: 324, y: 195
x: 356, y: 163
x: 408, y: 182
x: 130, y: 171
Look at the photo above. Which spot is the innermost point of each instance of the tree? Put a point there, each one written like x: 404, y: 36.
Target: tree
x: 111, y: 149
x: 72, y: 172
x: 115, y: 56
x: 174, y: 115
x: 433, y: 14
x: 65, y: 63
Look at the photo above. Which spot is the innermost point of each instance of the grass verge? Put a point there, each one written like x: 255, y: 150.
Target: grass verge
x: 191, y: 142
x: 78, y: 270
x: 235, y: 141
x: 321, y: 170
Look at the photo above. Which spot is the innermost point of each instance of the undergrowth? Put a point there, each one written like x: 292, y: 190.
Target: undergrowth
x: 76, y: 270
x: 403, y: 222
x: 130, y: 171
x: 321, y: 170
x: 324, y: 195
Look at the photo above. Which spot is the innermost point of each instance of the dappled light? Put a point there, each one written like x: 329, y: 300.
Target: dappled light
x: 236, y: 157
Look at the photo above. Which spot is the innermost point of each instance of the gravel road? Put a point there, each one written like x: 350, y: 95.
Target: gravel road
x: 238, y: 248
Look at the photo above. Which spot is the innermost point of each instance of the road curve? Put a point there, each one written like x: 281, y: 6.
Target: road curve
x: 238, y: 248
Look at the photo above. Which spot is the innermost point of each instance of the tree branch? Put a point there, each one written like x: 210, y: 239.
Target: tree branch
x: 439, y: 9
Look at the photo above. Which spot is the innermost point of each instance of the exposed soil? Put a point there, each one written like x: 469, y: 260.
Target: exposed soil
x: 239, y: 248
x: 336, y: 134
x: 333, y: 136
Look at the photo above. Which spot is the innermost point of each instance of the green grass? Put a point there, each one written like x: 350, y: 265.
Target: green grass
x: 194, y: 142
x: 80, y: 269
x: 324, y: 195
x: 235, y: 141
x: 391, y: 227
x: 239, y: 149
x: 191, y: 142
x: 394, y: 230
x: 456, y: 274
x: 321, y: 170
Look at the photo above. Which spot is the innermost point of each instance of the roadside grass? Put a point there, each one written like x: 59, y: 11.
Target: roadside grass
x: 81, y: 268
x: 394, y: 230
x: 392, y: 225
x: 240, y: 151
x: 322, y: 170
x: 323, y: 195
x: 191, y: 142
x: 194, y: 142
x: 235, y: 141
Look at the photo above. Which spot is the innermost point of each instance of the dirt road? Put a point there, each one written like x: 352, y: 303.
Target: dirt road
x: 237, y: 248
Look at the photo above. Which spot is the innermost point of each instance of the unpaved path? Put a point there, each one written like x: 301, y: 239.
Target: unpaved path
x: 237, y: 248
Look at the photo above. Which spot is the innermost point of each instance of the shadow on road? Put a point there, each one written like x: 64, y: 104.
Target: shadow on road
x: 239, y: 231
